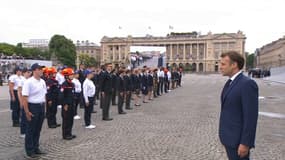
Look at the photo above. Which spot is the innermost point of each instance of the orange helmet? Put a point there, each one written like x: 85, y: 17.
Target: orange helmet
x: 67, y: 71
x: 51, y: 70
x: 45, y: 69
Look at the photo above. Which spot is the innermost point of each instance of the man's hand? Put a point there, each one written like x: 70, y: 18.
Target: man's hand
x: 29, y: 116
x: 102, y: 94
x: 49, y: 103
x: 87, y: 104
x: 122, y: 93
x: 243, y: 150
x: 13, y: 98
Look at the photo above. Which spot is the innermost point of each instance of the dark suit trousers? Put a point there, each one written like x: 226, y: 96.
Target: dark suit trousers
x: 128, y: 99
x: 232, y: 154
x: 106, y: 105
x: 114, y: 94
x: 88, y: 110
x: 120, y: 103
x: 67, y: 120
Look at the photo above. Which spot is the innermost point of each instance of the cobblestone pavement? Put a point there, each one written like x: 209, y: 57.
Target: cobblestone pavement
x: 180, y: 125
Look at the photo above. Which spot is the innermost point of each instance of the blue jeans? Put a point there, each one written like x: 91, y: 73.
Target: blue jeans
x: 34, y: 127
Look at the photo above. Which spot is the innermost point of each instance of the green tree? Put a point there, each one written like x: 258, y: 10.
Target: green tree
x: 7, y: 49
x: 87, y: 60
x: 249, y: 61
x: 63, y: 49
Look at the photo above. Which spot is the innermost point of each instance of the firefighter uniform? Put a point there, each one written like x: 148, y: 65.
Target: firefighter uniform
x: 52, y: 98
x: 67, y: 99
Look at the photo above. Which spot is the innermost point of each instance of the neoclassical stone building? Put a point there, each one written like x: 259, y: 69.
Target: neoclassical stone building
x: 199, y: 53
x: 271, y: 55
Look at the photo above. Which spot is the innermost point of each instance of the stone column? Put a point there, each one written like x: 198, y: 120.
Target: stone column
x: 198, y: 54
x: 177, y: 49
x: 113, y: 53
x: 171, y: 56
x: 184, y: 52
x: 119, y: 53
x: 191, y: 51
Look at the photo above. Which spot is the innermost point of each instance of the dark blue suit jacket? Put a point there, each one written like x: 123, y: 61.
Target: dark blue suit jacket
x: 239, y: 113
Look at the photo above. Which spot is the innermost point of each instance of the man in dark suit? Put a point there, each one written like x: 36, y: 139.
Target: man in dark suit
x: 239, y: 112
x: 106, y: 92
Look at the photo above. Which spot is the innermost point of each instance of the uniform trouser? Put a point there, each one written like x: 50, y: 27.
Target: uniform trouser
x: 23, y: 125
x: 88, y: 110
x: 161, y: 82
x: 34, y: 127
x: 120, y: 102
x: 155, y: 90
x: 76, y: 102
x: 106, y: 104
x: 67, y: 120
x: 158, y: 88
x: 51, y: 113
x: 114, y: 94
x: 15, y: 107
x: 128, y: 99
x: 232, y: 154
x: 101, y: 101
x: 165, y: 86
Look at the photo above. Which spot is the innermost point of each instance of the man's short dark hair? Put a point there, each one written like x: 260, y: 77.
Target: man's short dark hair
x: 234, y: 57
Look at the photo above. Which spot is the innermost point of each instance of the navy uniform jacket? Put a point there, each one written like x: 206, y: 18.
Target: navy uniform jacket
x: 67, y: 92
x: 52, y: 89
x: 106, y: 83
x: 128, y: 83
x: 150, y: 80
x: 120, y: 84
x: 136, y: 81
x: 239, y: 113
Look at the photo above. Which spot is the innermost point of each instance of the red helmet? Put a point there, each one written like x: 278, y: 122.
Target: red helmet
x: 67, y: 71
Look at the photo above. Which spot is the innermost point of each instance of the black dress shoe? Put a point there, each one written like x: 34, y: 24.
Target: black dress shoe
x: 58, y: 125
x: 73, y: 136
x: 129, y: 108
x: 68, y: 138
x: 122, y: 113
x: 31, y: 156
x: 16, y: 125
x: 107, y: 119
x: 38, y: 152
x: 94, y: 111
x: 52, y: 126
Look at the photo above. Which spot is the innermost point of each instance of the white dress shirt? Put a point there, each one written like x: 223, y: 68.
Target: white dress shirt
x: 16, y: 80
x: 234, y: 76
x: 88, y: 89
x: 60, y: 78
x: 35, y: 90
x: 77, y: 85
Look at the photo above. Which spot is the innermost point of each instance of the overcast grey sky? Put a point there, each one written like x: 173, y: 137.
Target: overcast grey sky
x: 261, y: 20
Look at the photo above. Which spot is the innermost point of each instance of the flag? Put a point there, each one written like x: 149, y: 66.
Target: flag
x: 120, y: 27
x: 170, y: 27
x: 149, y: 27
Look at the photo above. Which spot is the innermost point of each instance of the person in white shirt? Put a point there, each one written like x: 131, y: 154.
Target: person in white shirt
x: 34, y: 97
x: 59, y: 77
x: 14, y: 82
x: 26, y: 74
x: 161, y: 79
x: 89, y: 97
x: 77, y: 85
